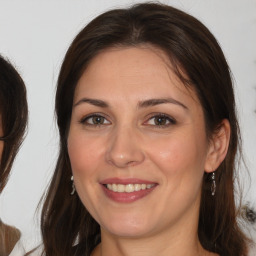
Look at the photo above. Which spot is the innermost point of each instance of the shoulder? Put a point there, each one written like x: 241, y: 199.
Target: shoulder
x: 18, y: 250
x: 9, y: 236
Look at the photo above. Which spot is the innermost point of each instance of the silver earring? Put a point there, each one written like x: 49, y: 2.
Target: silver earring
x: 73, y: 186
x: 213, y: 185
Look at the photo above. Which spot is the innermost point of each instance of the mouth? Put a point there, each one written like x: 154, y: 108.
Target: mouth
x: 127, y: 190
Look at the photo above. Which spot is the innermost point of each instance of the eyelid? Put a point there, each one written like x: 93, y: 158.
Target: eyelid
x: 171, y: 120
x: 91, y: 115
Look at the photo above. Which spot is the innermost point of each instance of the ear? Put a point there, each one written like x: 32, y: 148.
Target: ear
x: 218, y: 146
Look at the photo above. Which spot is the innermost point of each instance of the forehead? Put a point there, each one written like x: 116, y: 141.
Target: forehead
x: 131, y: 70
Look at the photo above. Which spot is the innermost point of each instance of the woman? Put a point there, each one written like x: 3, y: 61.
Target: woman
x: 148, y: 139
x: 13, y: 121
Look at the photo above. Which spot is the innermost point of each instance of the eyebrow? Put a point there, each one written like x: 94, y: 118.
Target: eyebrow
x: 154, y: 102
x: 141, y: 104
x: 95, y: 102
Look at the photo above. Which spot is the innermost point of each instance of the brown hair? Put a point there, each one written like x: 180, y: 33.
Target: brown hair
x: 14, y: 114
x: 191, y: 48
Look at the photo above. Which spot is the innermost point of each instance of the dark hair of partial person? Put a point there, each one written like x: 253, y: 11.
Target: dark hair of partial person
x: 14, y: 114
x: 198, y: 61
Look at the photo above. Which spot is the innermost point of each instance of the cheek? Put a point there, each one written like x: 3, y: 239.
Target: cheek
x: 84, y: 154
x: 179, y: 154
x: 180, y: 159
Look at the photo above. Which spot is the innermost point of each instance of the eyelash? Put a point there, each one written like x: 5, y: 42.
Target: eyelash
x: 85, y: 119
x: 167, y: 118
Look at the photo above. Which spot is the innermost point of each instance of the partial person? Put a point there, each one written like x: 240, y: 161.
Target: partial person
x: 13, y: 123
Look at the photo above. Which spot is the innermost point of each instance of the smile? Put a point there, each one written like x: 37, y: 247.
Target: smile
x: 129, y: 188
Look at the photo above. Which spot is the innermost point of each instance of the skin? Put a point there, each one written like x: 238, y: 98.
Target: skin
x: 129, y: 144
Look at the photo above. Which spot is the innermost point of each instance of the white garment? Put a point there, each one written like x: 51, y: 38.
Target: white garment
x: 18, y: 250
x: 252, y: 250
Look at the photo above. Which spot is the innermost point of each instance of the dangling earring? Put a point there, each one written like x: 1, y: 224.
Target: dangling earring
x: 73, y: 186
x: 213, y: 185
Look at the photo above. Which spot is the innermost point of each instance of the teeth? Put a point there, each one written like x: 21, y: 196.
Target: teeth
x: 137, y: 187
x: 128, y: 188
x: 120, y: 188
x: 114, y: 187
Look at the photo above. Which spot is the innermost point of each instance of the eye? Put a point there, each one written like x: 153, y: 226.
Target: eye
x: 161, y: 120
x: 95, y: 120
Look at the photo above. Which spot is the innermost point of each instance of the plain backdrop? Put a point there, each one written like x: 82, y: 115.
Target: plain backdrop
x: 35, y: 35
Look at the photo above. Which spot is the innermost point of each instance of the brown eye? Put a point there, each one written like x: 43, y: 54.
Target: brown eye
x: 98, y: 120
x: 160, y: 120
x: 95, y: 120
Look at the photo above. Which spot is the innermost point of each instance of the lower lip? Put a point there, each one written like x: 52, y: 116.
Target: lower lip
x: 125, y: 197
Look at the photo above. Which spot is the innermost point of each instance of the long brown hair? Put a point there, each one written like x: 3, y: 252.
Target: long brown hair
x: 14, y: 114
x: 67, y: 227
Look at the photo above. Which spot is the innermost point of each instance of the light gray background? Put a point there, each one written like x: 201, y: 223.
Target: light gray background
x: 35, y: 35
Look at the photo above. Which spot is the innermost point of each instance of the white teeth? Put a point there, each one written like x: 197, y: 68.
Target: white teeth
x: 137, y: 187
x: 114, y: 187
x: 143, y: 186
x: 129, y: 188
x: 120, y: 188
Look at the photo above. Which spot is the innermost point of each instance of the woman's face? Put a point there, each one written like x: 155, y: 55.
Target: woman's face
x: 137, y: 144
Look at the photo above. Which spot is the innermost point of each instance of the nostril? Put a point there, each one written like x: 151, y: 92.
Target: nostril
x: 124, y: 161
x: 131, y: 163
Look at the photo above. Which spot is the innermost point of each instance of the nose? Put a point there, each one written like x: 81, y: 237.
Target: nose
x: 124, y: 149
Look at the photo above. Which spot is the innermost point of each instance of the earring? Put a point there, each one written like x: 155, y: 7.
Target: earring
x: 73, y: 186
x: 213, y: 185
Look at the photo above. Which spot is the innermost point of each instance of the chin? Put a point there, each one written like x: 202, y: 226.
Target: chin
x: 127, y: 227
x: 131, y: 232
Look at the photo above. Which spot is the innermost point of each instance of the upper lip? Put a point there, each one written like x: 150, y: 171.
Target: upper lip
x: 126, y: 181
